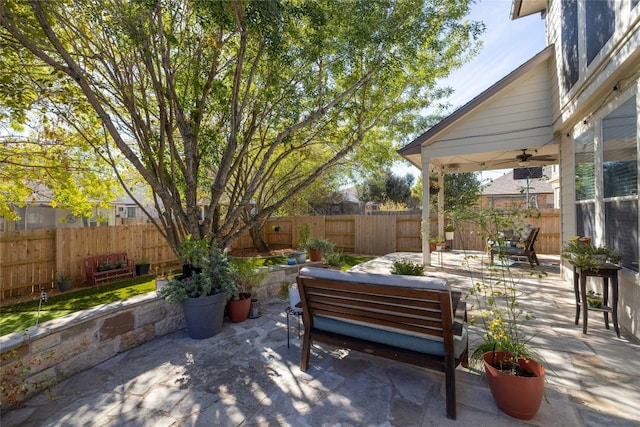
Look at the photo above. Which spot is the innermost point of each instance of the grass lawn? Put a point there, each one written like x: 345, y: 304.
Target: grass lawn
x: 21, y: 316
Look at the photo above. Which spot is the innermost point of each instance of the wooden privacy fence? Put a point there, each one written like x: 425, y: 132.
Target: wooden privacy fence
x: 30, y: 260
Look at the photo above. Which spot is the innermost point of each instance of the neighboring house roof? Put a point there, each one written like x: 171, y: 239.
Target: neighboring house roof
x: 506, y: 185
x: 531, y: 129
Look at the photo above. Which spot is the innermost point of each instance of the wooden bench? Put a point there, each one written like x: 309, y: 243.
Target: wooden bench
x: 517, y: 248
x: 107, y: 267
x: 405, y: 318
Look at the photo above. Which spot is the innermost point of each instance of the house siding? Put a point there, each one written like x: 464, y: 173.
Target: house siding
x: 520, y: 112
x: 610, y: 78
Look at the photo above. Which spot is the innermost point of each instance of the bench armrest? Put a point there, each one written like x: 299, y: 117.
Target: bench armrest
x: 459, y: 317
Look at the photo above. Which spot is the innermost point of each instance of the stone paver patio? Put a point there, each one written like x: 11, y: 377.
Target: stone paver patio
x: 246, y: 375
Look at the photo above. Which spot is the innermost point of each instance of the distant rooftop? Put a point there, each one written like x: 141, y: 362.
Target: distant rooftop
x: 507, y: 185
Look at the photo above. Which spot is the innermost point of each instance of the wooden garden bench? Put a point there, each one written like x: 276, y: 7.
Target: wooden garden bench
x: 405, y: 318
x: 108, y: 267
x: 522, y: 249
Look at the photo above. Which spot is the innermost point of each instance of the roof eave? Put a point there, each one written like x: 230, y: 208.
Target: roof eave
x: 415, y: 146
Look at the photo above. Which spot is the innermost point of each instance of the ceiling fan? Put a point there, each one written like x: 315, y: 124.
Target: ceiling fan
x: 525, y: 158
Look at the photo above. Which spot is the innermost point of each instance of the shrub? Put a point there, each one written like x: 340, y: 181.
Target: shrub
x: 407, y: 268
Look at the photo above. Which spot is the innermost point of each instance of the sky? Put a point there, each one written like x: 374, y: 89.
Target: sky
x: 506, y: 45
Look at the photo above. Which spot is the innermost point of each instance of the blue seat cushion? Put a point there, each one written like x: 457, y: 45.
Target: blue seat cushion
x: 406, y: 340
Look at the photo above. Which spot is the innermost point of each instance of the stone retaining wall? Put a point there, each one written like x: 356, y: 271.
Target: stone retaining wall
x: 57, y: 349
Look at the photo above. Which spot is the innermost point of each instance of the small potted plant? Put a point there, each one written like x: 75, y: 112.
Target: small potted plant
x: 585, y: 256
x: 142, y: 267
x: 63, y: 282
x: 448, y: 231
x: 319, y: 248
x: 249, y: 276
x: 594, y: 299
x: 435, y: 241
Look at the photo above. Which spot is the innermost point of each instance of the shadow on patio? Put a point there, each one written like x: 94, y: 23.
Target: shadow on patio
x: 246, y: 375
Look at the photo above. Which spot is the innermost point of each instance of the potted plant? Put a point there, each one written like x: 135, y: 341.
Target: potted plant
x: 434, y: 187
x: 585, y: 256
x: 448, y: 231
x: 203, y: 294
x: 63, y: 282
x: 594, y: 299
x: 319, y: 248
x: 304, y: 234
x: 435, y: 241
x: 193, y: 253
x: 249, y: 277
x: 142, y: 267
x: 511, y: 365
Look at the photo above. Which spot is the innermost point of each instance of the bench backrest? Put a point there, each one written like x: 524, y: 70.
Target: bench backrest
x: 92, y: 263
x: 421, y: 312
x: 531, y: 239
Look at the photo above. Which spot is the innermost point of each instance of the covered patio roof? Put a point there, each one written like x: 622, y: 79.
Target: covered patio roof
x: 491, y: 130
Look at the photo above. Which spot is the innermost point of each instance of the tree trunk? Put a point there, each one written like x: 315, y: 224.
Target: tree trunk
x: 256, y: 237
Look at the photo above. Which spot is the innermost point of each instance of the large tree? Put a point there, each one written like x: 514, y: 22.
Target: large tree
x: 214, y: 102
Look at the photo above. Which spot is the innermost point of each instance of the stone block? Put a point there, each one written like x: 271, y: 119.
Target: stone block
x: 117, y: 325
x: 136, y: 337
x: 45, y: 343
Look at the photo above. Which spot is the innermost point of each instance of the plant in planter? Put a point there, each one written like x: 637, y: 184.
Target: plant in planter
x: 319, y: 248
x: 63, y: 282
x: 449, y: 229
x: 142, y: 267
x: 594, y: 299
x: 435, y: 241
x: 585, y: 256
x: 511, y: 365
x: 249, y: 276
x: 193, y: 253
x: 204, y: 294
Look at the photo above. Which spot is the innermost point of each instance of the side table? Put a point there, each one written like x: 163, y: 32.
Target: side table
x: 608, y: 271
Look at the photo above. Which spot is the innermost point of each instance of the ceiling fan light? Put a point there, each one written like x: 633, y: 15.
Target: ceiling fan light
x: 523, y: 164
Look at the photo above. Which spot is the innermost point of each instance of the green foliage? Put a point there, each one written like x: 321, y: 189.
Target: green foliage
x: 335, y: 259
x: 324, y: 246
x: 249, y: 273
x: 193, y: 251
x: 589, y: 257
x: 407, y: 268
x: 494, y: 295
x: 304, y: 234
x: 217, y: 275
x: 386, y: 187
x: 449, y: 228
x: 219, y: 103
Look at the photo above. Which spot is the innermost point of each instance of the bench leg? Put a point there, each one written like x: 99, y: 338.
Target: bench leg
x: 306, y: 350
x: 450, y: 385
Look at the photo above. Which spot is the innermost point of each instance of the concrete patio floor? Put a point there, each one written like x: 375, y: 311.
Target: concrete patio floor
x: 247, y: 376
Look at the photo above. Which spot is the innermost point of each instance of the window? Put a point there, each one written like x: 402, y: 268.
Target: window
x: 621, y: 230
x: 620, y: 161
x: 585, y: 219
x: 600, y: 23
x: 569, y: 35
x: 131, y: 212
x: 585, y: 166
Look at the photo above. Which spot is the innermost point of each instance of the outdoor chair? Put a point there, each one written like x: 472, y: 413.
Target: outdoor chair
x: 520, y: 249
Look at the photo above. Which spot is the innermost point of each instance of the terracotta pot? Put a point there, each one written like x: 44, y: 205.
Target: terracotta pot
x: 315, y: 255
x: 518, y: 397
x: 239, y: 309
x: 432, y: 247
